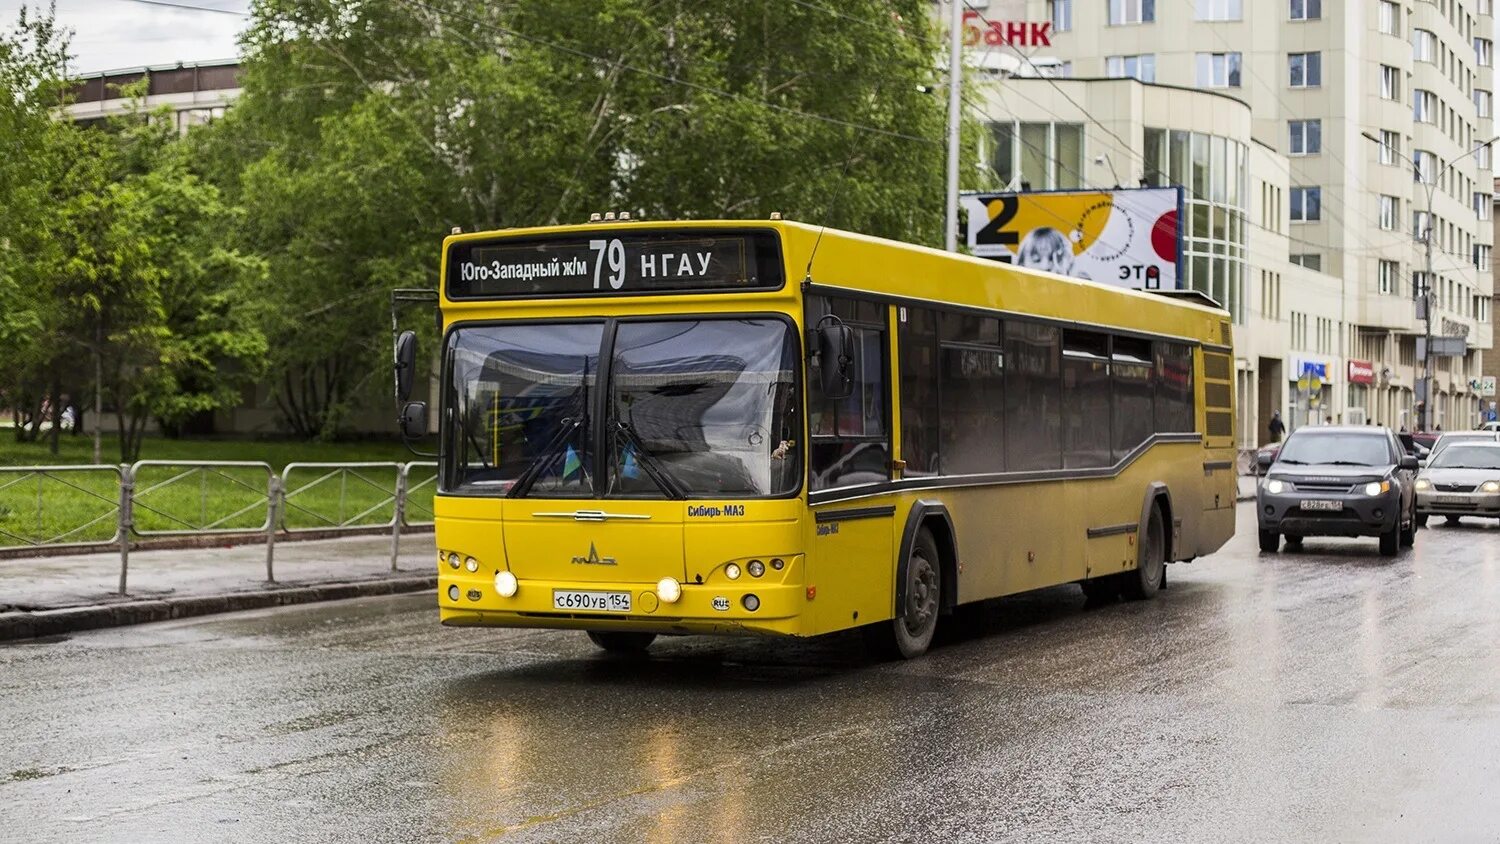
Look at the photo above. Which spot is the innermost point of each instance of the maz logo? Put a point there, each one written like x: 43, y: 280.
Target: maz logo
x: 593, y: 559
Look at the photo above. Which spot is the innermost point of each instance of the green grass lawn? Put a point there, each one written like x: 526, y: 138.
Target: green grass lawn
x: 174, y: 497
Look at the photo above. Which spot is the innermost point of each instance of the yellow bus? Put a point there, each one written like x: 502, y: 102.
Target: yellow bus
x: 765, y: 427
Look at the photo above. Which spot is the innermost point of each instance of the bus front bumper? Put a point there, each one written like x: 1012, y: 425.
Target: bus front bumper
x: 702, y: 608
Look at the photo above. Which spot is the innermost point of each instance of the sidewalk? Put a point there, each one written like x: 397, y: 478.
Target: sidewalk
x: 42, y: 596
x: 1247, y: 487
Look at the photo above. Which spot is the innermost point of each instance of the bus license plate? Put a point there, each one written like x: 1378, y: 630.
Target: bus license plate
x: 1322, y: 504
x: 572, y: 599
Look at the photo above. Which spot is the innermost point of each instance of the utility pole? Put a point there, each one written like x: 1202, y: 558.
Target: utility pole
x: 1426, y: 293
x: 955, y: 78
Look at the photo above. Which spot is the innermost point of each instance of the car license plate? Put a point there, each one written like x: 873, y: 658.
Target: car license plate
x: 572, y: 599
x: 1322, y: 504
x: 1452, y: 499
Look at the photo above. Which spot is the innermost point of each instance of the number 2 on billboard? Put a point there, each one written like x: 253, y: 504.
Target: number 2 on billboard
x: 992, y: 232
x: 614, y: 252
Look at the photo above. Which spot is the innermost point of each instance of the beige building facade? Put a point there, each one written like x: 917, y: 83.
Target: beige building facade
x: 1347, y: 131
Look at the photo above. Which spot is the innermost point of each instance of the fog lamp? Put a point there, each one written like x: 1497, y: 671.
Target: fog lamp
x: 506, y: 584
x: 756, y: 568
x: 668, y: 590
x: 751, y: 602
x: 732, y: 571
x: 471, y: 564
x: 453, y: 593
x: 453, y: 559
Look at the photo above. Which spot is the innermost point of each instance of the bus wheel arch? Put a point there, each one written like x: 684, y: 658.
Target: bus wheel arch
x: 1150, y: 574
x: 932, y: 515
x: 1158, y: 495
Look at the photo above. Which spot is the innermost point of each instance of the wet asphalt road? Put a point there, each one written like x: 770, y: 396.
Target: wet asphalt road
x: 1329, y: 695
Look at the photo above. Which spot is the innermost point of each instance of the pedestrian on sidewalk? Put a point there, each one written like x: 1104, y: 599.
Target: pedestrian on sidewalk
x: 1277, y: 428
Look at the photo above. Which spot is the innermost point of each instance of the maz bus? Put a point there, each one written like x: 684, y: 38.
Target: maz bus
x: 763, y: 427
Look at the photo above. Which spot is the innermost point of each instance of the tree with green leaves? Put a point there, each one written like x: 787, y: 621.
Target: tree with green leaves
x: 368, y: 129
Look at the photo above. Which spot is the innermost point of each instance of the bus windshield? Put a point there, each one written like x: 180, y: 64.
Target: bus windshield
x: 695, y: 408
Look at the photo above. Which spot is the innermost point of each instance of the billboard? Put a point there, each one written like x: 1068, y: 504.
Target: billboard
x: 1125, y: 237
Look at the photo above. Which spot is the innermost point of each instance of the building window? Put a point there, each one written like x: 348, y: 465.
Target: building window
x: 1306, y: 10
x: 1306, y: 69
x: 1484, y: 52
x: 1482, y: 155
x: 1061, y: 15
x: 1424, y: 106
x: 1390, y: 147
x: 1424, y: 166
x: 1386, y: 273
x: 1307, y: 137
x: 1483, y: 205
x: 1131, y: 11
x: 1483, y: 102
x: 1307, y: 204
x: 1046, y: 156
x: 1486, y: 7
x: 1481, y: 257
x: 1423, y: 45
x: 1219, y: 70
x: 1390, y: 212
x: 1419, y: 227
x: 1131, y: 67
x: 1390, y: 18
x: 1390, y: 83
x: 1311, y: 260
x: 1218, y: 10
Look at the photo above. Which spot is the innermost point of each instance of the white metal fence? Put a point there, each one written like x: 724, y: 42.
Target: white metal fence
x: 90, y: 508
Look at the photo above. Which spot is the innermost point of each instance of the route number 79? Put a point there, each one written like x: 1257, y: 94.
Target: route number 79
x: 612, y: 251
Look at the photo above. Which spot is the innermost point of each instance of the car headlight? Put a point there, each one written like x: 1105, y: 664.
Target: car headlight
x: 1423, y: 483
x: 1377, y: 487
x: 1490, y: 486
x: 1275, y: 487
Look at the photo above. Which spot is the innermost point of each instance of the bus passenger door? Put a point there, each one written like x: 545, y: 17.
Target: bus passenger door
x: 850, y: 569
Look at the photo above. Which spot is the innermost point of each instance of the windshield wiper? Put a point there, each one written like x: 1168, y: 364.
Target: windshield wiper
x: 654, y: 468
x: 1289, y: 460
x: 554, y: 449
x: 1345, y: 463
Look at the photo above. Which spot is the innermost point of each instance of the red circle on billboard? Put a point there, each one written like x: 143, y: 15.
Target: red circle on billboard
x: 1164, y: 236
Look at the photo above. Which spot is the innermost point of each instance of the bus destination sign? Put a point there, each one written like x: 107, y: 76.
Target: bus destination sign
x: 614, y: 263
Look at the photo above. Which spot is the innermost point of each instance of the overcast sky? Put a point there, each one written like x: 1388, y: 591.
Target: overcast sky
x: 112, y: 34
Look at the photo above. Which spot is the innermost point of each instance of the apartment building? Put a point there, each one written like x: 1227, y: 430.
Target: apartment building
x: 194, y: 92
x: 1358, y: 128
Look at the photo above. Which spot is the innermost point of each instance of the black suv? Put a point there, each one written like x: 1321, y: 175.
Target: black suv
x: 1350, y: 480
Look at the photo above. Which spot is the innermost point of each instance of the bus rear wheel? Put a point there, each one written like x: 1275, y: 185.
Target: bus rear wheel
x: 622, y: 642
x: 909, y: 634
x: 1148, y: 577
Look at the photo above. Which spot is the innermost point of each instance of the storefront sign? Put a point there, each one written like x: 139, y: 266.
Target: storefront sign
x: 1361, y: 372
x: 987, y: 31
x: 1483, y: 386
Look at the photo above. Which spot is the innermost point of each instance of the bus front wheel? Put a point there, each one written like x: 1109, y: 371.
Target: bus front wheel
x: 619, y: 642
x: 910, y: 633
x: 1147, y: 579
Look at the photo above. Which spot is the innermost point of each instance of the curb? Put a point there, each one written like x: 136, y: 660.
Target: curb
x: 29, y: 625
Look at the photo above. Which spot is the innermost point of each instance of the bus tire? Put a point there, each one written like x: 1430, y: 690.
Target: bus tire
x: 1151, y: 572
x: 908, y: 635
x: 621, y: 641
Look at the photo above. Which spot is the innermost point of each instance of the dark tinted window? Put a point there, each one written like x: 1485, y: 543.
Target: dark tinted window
x: 919, y: 392
x: 1033, y: 397
x: 1134, y: 415
x: 973, y: 419
x: 850, y: 438
x: 1086, y: 404
x: 1174, y: 388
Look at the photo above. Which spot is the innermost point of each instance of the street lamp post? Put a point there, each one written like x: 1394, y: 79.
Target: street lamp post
x: 1425, y: 294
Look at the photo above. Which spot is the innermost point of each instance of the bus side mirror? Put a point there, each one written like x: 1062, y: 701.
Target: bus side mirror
x: 836, y: 359
x: 406, y: 367
x: 414, y: 420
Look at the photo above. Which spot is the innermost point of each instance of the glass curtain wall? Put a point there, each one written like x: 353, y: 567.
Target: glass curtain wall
x: 1215, y: 173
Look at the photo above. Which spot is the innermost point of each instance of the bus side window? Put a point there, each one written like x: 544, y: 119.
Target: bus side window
x: 1174, y: 388
x: 851, y: 437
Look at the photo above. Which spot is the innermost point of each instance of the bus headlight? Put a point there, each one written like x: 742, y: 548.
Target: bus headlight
x: 668, y: 590
x: 732, y: 571
x: 1423, y: 483
x: 453, y: 559
x: 1490, y: 486
x: 506, y: 584
x: 1377, y: 487
x: 756, y: 568
x: 1275, y: 487
x: 471, y: 564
